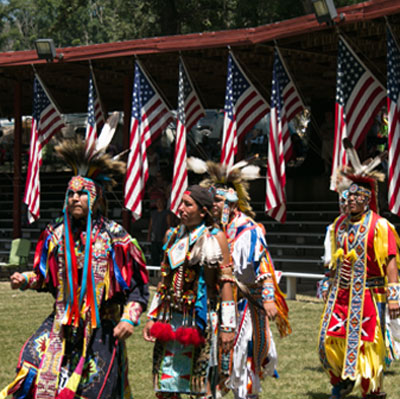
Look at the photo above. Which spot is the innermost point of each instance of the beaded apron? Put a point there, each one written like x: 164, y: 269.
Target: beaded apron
x: 350, y: 237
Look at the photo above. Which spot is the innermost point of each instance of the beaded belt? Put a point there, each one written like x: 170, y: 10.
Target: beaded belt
x: 375, y: 282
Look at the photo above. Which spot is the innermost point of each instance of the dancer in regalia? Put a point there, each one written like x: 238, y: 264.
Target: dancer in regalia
x: 259, y: 297
x: 193, y: 305
x: 97, y: 275
x: 364, y: 280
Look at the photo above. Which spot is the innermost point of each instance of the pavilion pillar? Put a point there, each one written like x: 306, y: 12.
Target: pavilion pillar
x: 128, y: 81
x: 17, y: 161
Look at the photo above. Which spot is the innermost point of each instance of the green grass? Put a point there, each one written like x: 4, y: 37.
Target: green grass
x: 300, y: 373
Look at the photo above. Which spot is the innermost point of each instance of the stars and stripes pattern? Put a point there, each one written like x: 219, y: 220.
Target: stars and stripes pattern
x: 359, y: 97
x: 96, y: 119
x: 393, y: 105
x: 150, y: 116
x: 46, y: 122
x: 244, y: 107
x: 285, y: 104
x: 190, y: 111
x: 292, y: 104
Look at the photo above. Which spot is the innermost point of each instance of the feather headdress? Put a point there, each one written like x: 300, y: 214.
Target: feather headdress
x: 235, y: 177
x: 94, y: 170
x: 361, y: 173
x: 94, y: 163
x: 97, y: 165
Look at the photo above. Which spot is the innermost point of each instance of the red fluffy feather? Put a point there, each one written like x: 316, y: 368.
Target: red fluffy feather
x: 189, y: 336
x: 162, y: 331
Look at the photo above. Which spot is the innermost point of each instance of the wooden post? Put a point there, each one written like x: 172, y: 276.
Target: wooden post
x: 17, y: 161
x: 126, y: 214
x: 291, y: 287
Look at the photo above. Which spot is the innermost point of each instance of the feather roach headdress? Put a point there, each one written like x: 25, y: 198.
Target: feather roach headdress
x: 94, y: 171
x: 94, y: 163
x: 361, y: 177
x: 231, y: 182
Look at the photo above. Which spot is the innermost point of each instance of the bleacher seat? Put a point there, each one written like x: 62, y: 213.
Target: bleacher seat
x: 19, y: 252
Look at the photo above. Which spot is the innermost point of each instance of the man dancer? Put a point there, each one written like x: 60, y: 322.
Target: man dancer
x: 97, y: 275
x: 364, y: 278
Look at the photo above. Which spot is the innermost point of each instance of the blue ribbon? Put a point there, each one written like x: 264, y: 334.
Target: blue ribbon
x: 69, y: 260
x: 22, y: 393
x: 43, y: 257
x: 87, y: 250
x: 86, y: 265
x: 117, y: 272
x: 201, y: 302
x: 253, y: 242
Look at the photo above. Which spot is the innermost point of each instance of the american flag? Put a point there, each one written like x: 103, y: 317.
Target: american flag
x: 190, y: 111
x: 285, y: 104
x: 150, y: 116
x: 95, y: 120
x: 46, y: 121
x: 244, y: 107
x: 393, y: 104
x: 359, y: 97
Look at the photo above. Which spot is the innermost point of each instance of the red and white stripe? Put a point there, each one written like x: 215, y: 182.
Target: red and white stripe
x: 248, y: 109
x: 394, y: 156
x: 285, y: 106
x: 393, y: 104
x: 355, y: 118
x: 91, y: 131
x: 98, y: 113
x: 32, y: 187
x: 293, y: 105
x: 229, y: 141
x: 42, y: 131
x: 137, y: 171
x: 180, y: 179
x: 249, y: 112
x: 154, y: 118
x: 191, y: 110
x: 275, y: 202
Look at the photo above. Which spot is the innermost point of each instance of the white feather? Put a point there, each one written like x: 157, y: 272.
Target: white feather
x: 238, y: 165
x: 353, y: 156
x: 117, y: 157
x: 354, y: 160
x: 107, y: 133
x: 197, y: 165
x: 251, y: 172
x: 374, y: 163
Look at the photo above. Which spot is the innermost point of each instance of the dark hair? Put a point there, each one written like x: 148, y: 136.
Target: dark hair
x: 201, y: 195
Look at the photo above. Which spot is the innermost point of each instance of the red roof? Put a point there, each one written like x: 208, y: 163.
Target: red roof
x: 239, y: 37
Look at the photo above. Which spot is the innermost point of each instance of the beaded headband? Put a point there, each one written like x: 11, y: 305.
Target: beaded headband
x: 356, y: 189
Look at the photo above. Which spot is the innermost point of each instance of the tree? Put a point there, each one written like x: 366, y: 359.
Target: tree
x: 81, y: 22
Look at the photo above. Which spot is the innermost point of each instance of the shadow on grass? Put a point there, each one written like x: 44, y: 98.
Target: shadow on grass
x: 320, y: 395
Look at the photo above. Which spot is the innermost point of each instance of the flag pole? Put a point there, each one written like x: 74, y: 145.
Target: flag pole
x: 153, y: 84
x: 288, y: 73
x: 48, y: 94
x: 97, y: 89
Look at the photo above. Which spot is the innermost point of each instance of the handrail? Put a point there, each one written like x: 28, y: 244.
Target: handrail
x: 291, y: 280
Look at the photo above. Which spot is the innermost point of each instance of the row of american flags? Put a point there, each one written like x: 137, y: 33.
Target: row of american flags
x: 359, y: 97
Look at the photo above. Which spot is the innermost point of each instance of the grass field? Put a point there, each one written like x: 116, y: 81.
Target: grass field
x: 300, y: 373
